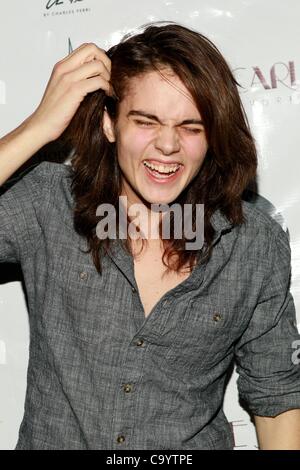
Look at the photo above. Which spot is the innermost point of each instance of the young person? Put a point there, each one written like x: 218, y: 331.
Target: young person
x: 132, y: 337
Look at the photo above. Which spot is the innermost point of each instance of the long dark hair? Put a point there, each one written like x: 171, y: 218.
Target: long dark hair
x: 231, y: 160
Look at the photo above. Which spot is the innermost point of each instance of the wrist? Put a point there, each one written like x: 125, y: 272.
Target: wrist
x: 34, y: 132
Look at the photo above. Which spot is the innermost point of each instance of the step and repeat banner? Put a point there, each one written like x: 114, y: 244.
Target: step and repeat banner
x: 260, y: 41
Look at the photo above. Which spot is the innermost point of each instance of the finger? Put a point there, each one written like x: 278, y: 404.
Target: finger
x: 87, y: 52
x: 73, y: 52
x: 93, y: 84
x: 88, y: 70
x: 103, y: 57
x: 112, y: 92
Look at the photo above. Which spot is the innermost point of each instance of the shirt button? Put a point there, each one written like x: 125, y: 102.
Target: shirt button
x: 139, y: 342
x: 217, y: 317
x: 83, y: 275
x: 133, y: 289
x: 120, y: 439
x: 127, y: 388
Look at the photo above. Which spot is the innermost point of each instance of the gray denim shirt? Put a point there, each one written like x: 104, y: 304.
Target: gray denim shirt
x: 101, y: 375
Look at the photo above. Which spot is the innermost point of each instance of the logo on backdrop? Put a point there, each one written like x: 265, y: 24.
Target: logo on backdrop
x: 65, y: 7
x: 268, y: 83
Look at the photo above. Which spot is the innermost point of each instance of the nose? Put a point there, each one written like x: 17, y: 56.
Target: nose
x: 167, y: 140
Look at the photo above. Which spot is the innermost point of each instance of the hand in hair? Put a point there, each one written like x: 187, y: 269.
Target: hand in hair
x: 85, y: 70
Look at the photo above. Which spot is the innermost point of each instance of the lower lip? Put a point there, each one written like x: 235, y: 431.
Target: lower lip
x: 161, y: 179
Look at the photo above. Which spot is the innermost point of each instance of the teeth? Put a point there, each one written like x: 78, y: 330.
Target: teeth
x: 162, y: 168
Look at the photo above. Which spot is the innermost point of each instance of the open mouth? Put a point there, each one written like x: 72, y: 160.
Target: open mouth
x: 162, y: 172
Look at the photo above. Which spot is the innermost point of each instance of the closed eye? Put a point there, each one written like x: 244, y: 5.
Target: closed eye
x: 144, y: 123
x: 194, y: 131
x: 148, y: 123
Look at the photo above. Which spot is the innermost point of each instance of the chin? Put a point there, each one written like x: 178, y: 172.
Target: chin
x: 158, y: 195
x: 161, y: 200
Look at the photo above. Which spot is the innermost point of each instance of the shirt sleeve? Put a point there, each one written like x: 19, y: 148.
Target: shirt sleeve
x: 267, y: 354
x: 23, y: 206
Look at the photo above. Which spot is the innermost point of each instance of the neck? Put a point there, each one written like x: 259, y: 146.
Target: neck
x: 144, y: 222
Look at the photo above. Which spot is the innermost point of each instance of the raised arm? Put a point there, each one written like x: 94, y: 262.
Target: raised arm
x: 85, y: 70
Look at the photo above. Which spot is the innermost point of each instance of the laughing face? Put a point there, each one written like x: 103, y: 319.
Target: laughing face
x: 160, y: 138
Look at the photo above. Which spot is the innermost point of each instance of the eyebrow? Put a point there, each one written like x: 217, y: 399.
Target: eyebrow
x: 137, y: 112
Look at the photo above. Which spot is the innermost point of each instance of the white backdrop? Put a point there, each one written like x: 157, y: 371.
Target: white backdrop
x: 260, y: 40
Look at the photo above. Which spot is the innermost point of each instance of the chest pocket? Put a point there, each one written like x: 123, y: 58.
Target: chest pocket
x: 80, y: 302
x: 205, y: 336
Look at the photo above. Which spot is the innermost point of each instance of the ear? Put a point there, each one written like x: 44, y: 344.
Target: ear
x: 108, y: 127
